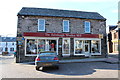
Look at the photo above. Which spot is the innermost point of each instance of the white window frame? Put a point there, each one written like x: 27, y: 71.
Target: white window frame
x: 67, y: 26
x: 87, y: 39
x: 63, y: 47
x: 87, y: 27
x: 100, y: 48
x: 39, y: 25
x: 51, y: 38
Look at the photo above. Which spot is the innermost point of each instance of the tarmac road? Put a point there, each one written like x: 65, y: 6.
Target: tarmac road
x: 10, y: 69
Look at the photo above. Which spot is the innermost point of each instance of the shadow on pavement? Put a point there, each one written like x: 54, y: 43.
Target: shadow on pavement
x: 80, y: 68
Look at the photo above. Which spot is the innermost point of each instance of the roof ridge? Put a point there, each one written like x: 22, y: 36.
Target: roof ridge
x: 49, y: 12
x: 59, y: 9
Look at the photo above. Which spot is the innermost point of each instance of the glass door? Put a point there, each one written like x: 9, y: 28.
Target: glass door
x: 66, y: 46
x: 87, y: 48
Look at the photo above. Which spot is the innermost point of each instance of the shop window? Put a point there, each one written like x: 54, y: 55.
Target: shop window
x: 78, y: 47
x: 41, y: 45
x: 87, y: 26
x: 31, y: 46
x: 65, y: 25
x: 115, y: 46
x: 66, y: 46
x: 46, y: 45
x: 95, y: 46
x: 41, y: 25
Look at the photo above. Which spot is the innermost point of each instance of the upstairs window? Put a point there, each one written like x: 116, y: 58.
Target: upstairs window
x: 41, y: 24
x: 87, y: 26
x: 65, y: 25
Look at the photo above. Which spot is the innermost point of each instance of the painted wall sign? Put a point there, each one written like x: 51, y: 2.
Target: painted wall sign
x: 39, y: 34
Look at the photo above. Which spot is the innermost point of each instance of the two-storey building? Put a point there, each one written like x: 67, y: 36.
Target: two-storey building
x: 7, y: 44
x: 66, y: 32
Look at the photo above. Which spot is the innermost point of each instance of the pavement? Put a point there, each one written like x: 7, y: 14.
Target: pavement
x: 111, y: 60
x: 108, y: 60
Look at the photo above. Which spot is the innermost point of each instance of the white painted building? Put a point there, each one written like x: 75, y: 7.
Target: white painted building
x: 7, y: 44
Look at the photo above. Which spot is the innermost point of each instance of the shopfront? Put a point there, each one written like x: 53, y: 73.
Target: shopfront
x: 87, y: 46
x: 83, y: 44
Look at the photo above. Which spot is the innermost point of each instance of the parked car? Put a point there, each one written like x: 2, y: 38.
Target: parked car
x: 46, y: 60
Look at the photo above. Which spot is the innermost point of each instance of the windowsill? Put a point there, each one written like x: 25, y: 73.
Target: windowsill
x: 40, y: 31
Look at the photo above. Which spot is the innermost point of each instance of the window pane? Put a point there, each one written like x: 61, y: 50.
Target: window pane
x: 87, y: 27
x: 115, y: 46
x: 65, y: 26
x: 46, y: 45
x: 6, y: 49
x: 11, y: 49
x: 95, y: 46
x: 66, y: 46
x: 41, y: 25
x: 41, y: 45
x: 78, y: 47
x: 31, y: 46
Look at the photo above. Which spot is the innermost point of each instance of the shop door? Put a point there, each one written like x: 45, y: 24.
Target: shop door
x: 86, y: 48
x: 66, y: 46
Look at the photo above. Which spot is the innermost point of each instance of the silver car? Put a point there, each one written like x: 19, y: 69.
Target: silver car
x: 46, y: 60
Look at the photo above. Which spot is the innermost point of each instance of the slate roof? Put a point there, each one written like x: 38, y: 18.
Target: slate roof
x: 8, y: 39
x: 27, y: 11
x: 112, y: 27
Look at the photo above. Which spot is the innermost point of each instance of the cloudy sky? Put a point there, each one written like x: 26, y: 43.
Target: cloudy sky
x: 10, y: 8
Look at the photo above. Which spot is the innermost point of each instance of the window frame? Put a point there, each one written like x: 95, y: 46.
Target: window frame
x: 67, y: 26
x: 11, y: 49
x: 87, y: 26
x: 37, y: 38
x: 39, y: 25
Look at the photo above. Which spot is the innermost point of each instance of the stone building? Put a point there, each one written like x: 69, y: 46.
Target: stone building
x: 113, y: 39
x: 66, y: 32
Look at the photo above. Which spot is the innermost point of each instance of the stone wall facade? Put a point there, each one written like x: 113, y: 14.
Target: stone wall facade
x: 55, y: 25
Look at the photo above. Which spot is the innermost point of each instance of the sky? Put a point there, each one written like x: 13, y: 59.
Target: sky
x: 10, y: 8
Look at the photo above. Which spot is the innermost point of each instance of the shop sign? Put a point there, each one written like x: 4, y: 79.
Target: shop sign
x: 38, y: 34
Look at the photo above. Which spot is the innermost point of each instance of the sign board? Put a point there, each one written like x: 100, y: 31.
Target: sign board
x: 39, y: 34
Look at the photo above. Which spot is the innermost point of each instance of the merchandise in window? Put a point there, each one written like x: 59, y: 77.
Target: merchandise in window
x: 79, y: 47
x: 66, y: 46
x: 31, y: 46
x: 95, y: 46
x: 41, y: 45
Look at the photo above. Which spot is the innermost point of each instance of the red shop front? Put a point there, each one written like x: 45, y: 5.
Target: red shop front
x: 62, y: 43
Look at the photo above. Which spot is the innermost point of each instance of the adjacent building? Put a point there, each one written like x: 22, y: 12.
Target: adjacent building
x: 113, y: 39
x: 66, y: 32
x: 7, y: 44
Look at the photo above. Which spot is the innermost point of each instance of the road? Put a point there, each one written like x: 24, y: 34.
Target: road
x: 10, y: 69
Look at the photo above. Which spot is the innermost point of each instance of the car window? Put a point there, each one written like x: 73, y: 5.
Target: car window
x: 47, y: 54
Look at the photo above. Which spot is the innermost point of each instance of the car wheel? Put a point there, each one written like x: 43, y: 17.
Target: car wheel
x: 37, y: 68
